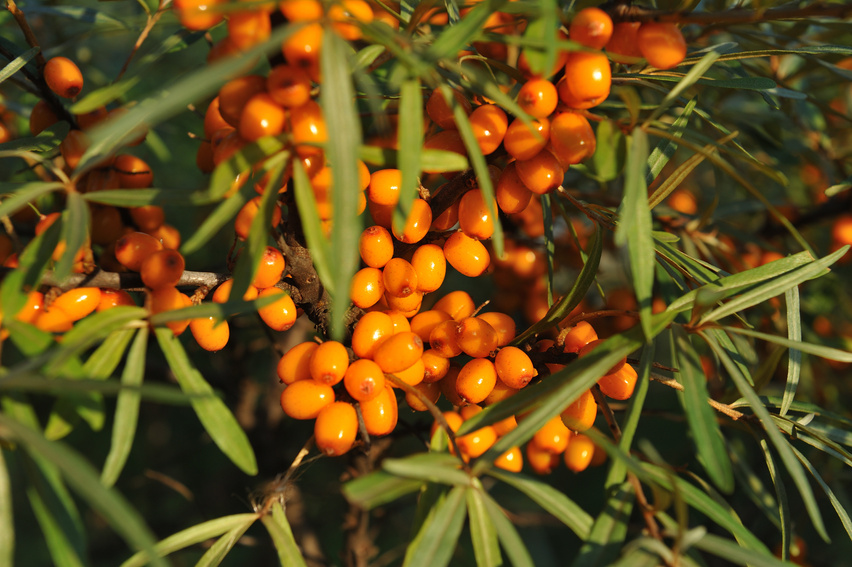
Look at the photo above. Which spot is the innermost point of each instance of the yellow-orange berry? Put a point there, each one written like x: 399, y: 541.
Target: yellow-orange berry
x: 223, y: 292
x: 541, y: 461
x: 587, y: 80
x: 552, y: 437
x: 579, y: 453
x: 270, y: 270
x: 163, y: 268
x: 336, y: 428
x: 198, y: 14
x: 329, y: 362
x: 53, y: 320
x: 514, y: 367
x: 32, y: 308
x: 468, y: 256
x: 423, y: 323
x: 234, y: 95
x: 502, y: 323
x: 430, y: 265
x: 296, y: 363
x: 301, y: 10
x: 304, y: 399
x: 454, y: 421
x: 78, y: 302
x: 245, y: 217
x: 248, y: 28
x: 342, y: 15
x: 399, y: 321
x: 477, y: 442
x: 457, y: 304
x: 364, y: 380
x: 399, y: 352
x: 384, y: 186
x: 538, y: 98
x: 413, y: 375
x: 408, y: 306
x: 435, y: 366
x: 661, y: 43
x: 381, y: 413
x: 522, y: 141
x: 571, y: 138
x: 623, y: 45
x: 504, y: 426
x: 475, y: 220
x: 511, y: 193
x: 476, y: 379
x: 367, y: 287
x: 512, y: 460
x: 280, y: 315
x: 133, y: 172
x: 580, y: 415
x: 375, y: 246
x: 308, y: 127
x: 289, y: 86
x: 73, y: 147
x: 498, y: 393
x: 441, y: 113
x: 399, y: 277
x: 148, y: 218
x: 591, y: 27
x: 416, y: 225
x: 489, y: 124
x: 370, y: 330
x: 579, y: 336
x: 261, y: 116
x: 210, y: 333
x: 169, y: 299
x: 444, y: 340
x: 476, y: 337
x: 619, y: 385
x: 541, y: 174
x: 63, y: 77
x: 447, y: 219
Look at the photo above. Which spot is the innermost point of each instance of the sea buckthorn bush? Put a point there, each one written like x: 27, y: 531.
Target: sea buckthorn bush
x: 324, y: 282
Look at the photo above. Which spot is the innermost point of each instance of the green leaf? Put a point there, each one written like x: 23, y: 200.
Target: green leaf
x: 731, y: 552
x: 211, y: 309
x: 839, y: 508
x: 608, y: 160
x: 238, y: 167
x: 219, y: 550
x: 456, y: 37
x: 785, y: 450
x: 410, y: 135
x: 431, y: 467
x: 609, y: 530
x: 75, y: 231
x: 126, y: 410
x: 809, y: 348
x: 794, y: 333
x: 214, y: 415
x: 753, y: 485
x: 30, y: 340
x: 104, y: 95
x: 16, y: 65
x: 341, y: 117
x: 550, y: 499
x: 545, y: 25
x: 282, y: 537
x: 47, y: 140
x: 17, y: 195
x: 377, y: 488
x: 486, y: 549
x: 315, y: 238
x: 780, y: 493
x: 7, y: 516
x: 65, y: 544
x: 433, y: 160
x: 142, y: 197
x: 706, y: 435
x: 112, y: 507
x: 634, y: 227
x: 511, y: 541
x: 664, y: 151
x: 687, y: 81
x: 191, y: 536
x: 224, y: 213
x: 437, y: 539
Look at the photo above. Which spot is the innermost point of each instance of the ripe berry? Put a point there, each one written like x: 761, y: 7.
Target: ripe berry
x: 289, y: 86
x: 32, y: 308
x: 336, y: 428
x: 280, y: 315
x: 133, y: 172
x: 441, y: 113
x: 504, y: 426
x: 73, y: 147
x: 413, y: 375
x: 296, y: 363
x: 444, y: 340
x: 476, y: 337
x: 375, y: 246
x: 623, y: 46
x: 587, y: 80
x: 447, y: 219
x: 579, y: 336
x: 302, y: 49
x: 662, y: 44
x: 620, y: 384
x: 454, y: 421
x: 541, y: 461
x: 541, y: 174
x: 538, y: 98
x: 163, y: 268
x: 475, y: 219
x: 511, y: 193
x: 476, y: 379
x: 42, y: 117
x: 169, y: 299
x: 248, y: 28
x: 63, y: 77
x: 489, y: 124
x: 399, y: 352
x: 148, y: 218
x: 499, y: 393
x: 307, y: 126
x: 572, y: 138
x: 399, y: 277
x: 552, y: 437
x: 301, y: 10
x: 234, y: 95
x: 78, y: 302
x: 367, y: 287
x: 369, y: 332
x: 242, y: 224
x: 425, y: 322
x: 409, y: 305
x: 384, y: 186
x: 503, y: 324
x: 431, y: 391
x: 457, y: 304
x: 210, y: 333
x: 591, y: 27
x: 53, y: 320
x: 468, y: 256
x: 261, y: 116
x: 271, y: 268
x: 512, y: 460
x: 198, y: 14
x: 329, y: 362
x: 430, y: 265
x: 579, y: 453
x: 477, y: 442
x: 364, y: 380
x: 381, y: 413
x: 223, y: 292
x: 416, y: 225
x: 580, y: 415
x: 341, y: 14
x: 304, y: 399
x: 524, y: 142
x: 435, y: 366
x: 514, y: 367
x: 213, y: 120
x: 447, y: 140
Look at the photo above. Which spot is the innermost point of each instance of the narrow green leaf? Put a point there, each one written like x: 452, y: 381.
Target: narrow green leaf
x: 191, y: 536
x: 114, y: 509
x: 509, y: 537
x: 809, y: 348
x: 46, y: 141
x: 835, y: 502
x: 794, y: 333
x: 219, y: 550
x: 341, y: 116
x: 608, y: 532
x: 16, y: 65
x: 104, y: 95
x: 609, y: 158
x: 240, y: 164
x: 142, y: 197
x: 431, y: 467
x: 75, y: 230
x: 432, y: 160
x: 544, y: 25
x: 214, y: 415
x: 17, y: 195
x: 126, y: 410
x: 7, y: 516
x: 157, y: 393
x: 317, y: 242
x: 410, y: 135
x: 664, y: 151
x: 223, y: 214
x: 211, y: 309
x: 549, y: 244
x: 30, y: 340
x: 752, y: 484
x: 781, y: 494
x: 438, y: 538
x: 706, y: 435
x: 675, y: 179
x: 794, y: 468
x: 456, y: 37
x: 634, y: 227
x: 731, y: 552
x: 550, y: 499
x: 486, y: 549
x: 687, y: 81
x: 377, y: 488
x: 65, y: 549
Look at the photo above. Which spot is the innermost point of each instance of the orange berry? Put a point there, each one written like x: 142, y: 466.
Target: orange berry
x: 512, y: 460
x: 32, y: 308
x: 408, y: 306
x: 502, y: 323
x: 336, y: 428
x: 448, y: 386
x: 541, y: 174
x: 91, y: 118
x: 234, y: 95
x: 304, y: 399
x: 624, y: 43
x: 504, y: 426
x: 133, y: 172
x: 399, y: 277
x: 367, y: 287
x: 444, y: 340
x: 198, y: 14
x: 370, y: 330
x: 329, y: 362
x: 210, y: 333
x: 572, y: 138
x: 79, y: 302
x: 683, y: 201
x: 53, y: 320
x: 579, y: 336
x: 364, y: 380
x: 538, y: 98
x: 477, y: 442
x: 261, y: 116
x: 346, y: 11
x: 63, y: 77
x: 107, y: 225
x: 382, y: 215
x: 381, y: 413
x: 661, y: 44
x: 430, y: 265
x: 113, y: 298
x: 148, y: 218
x: 248, y: 28
x: 435, y: 366
x: 619, y: 385
x: 73, y: 147
x: 417, y: 224
x: 169, y: 299
x: 223, y: 292
x: 423, y: 323
x: 552, y: 436
x: 514, y: 367
x: 476, y: 337
x: 302, y: 49
x: 454, y: 421
x: 524, y: 142
x: 413, y: 375
x: 541, y: 461
x: 457, y: 304
x: 476, y: 379
x: 468, y: 256
x: 511, y: 193
x: 271, y: 268
x: 42, y: 117
x: 591, y: 27
x: 841, y: 230
x: 213, y: 120
x: 301, y: 10
x: 295, y: 365
x: 399, y: 352
x: 441, y: 113
x: 499, y: 393
x: 431, y: 391
x: 280, y: 315
x: 489, y: 125
x: 307, y: 126
x: 375, y: 246
x: 163, y: 268
x: 579, y: 453
x: 384, y: 186
x: 587, y: 80
x: 289, y: 86
x: 580, y: 415
x: 245, y: 217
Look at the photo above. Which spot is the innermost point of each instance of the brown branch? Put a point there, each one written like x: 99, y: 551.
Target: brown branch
x: 149, y: 25
x: 32, y: 41
x: 718, y: 406
x: 624, y: 12
x: 609, y: 416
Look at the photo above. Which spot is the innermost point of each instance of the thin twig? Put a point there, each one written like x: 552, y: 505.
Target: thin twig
x: 718, y: 406
x: 32, y: 41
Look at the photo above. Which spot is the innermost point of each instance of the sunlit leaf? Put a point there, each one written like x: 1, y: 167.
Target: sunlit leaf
x: 482, y: 532
x: 437, y: 539
x: 282, y: 536
x: 509, y: 537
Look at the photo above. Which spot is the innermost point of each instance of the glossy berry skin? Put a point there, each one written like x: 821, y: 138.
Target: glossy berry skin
x: 475, y: 219
x: 367, y: 287
x: 552, y: 437
x: 169, y: 299
x: 541, y: 174
x: 280, y: 315
x: 234, y: 95
x: 514, y: 367
x: 476, y: 337
x: 468, y: 256
x: 538, y: 98
x: 591, y: 27
x: 399, y: 352
x: 364, y: 380
x: 223, y: 292
x: 381, y: 413
x: 329, y: 362
x: 32, y: 308
x: 210, y: 333
x: 430, y: 390
x: 261, y: 116
x: 503, y: 324
x: 336, y: 428
x: 295, y: 365
x: 417, y: 223
x: 572, y: 138
x: 270, y: 270
x: 623, y: 46
x: 523, y: 141
x: 289, y: 86
x: 512, y: 460
x: 63, y: 77
x: 248, y: 28
x: 370, y: 330
x: 620, y: 384
x: 242, y: 224
x: 579, y: 336
x: 163, y: 268
x: 430, y: 265
x: 399, y: 277
x: 53, y: 320
x: 580, y: 415
x: 133, y: 172
x: 198, y: 14
x: 489, y: 124
x: 540, y: 461
x: 435, y: 366
x: 425, y: 322
x: 441, y: 113
x: 308, y: 127
x: 79, y: 302
x: 579, y: 453
x: 384, y: 186
x: 476, y: 379
x: 511, y: 193
x: 305, y: 399
x: 375, y: 246
x: 477, y: 442
x: 444, y: 340
x: 413, y: 375
x: 661, y: 44
x: 587, y: 80
x: 42, y: 117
